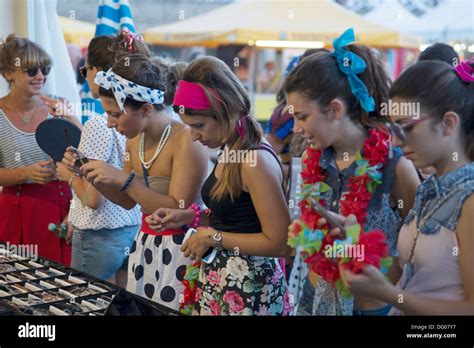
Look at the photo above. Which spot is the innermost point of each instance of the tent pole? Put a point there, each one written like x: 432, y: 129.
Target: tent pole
x: 253, y: 66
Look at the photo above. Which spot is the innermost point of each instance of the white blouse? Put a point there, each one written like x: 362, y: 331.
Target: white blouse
x: 106, y: 144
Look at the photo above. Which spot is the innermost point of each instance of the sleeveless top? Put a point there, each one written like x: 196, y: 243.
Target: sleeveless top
x: 436, y: 213
x: 18, y: 148
x: 237, y: 216
x: 380, y: 213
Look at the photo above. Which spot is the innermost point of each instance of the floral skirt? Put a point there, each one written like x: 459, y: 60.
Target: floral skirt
x: 241, y: 285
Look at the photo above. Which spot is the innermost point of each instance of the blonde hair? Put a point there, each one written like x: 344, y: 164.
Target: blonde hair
x: 21, y: 53
x: 228, y: 105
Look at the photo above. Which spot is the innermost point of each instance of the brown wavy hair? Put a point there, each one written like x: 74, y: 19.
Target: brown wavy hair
x: 231, y: 103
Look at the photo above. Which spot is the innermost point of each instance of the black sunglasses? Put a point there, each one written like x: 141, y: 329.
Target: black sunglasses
x: 32, y: 72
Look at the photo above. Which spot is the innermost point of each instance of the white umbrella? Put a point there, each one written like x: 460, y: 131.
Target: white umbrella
x: 44, y: 29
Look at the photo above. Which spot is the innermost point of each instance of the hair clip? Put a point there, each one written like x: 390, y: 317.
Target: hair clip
x: 464, y: 70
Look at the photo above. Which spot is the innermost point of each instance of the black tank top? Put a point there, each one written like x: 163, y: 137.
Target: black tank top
x: 239, y: 215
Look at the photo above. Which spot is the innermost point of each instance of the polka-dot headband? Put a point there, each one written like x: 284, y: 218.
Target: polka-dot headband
x: 122, y: 88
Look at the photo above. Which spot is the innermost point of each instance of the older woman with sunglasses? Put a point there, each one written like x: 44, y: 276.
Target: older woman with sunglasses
x: 32, y: 197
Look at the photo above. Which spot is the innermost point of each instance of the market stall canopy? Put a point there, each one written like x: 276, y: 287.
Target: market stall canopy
x: 245, y: 22
x: 451, y: 20
x: 76, y: 31
x: 392, y: 14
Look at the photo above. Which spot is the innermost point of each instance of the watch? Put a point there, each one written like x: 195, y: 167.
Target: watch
x: 218, y: 241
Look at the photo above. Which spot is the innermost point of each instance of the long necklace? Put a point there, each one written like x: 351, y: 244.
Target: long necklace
x: 25, y: 119
x: 141, y: 154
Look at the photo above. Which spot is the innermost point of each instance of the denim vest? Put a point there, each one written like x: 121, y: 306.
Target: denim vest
x: 439, y: 201
x: 380, y: 213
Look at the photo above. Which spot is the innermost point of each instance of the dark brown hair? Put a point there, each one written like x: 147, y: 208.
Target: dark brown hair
x: 228, y: 105
x: 438, y: 89
x: 139, y: 69
x: 319, y: 79
x: 173, y: 73
x: 104, y: 51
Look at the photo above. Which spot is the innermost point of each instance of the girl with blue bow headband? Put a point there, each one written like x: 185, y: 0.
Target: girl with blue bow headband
x: 336, y: 101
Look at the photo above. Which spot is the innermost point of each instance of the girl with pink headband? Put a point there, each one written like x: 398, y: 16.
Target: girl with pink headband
x: 248, y: 212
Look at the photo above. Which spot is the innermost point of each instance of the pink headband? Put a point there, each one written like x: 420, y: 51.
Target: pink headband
x: 464, y: 70
x: 191, y: 95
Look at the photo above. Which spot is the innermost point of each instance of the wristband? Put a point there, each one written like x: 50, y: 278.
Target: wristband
x: 128, y: 182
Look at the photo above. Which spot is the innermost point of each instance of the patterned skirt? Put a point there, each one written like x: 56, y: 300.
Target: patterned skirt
x: 156, y: 268
x: 241, y: 285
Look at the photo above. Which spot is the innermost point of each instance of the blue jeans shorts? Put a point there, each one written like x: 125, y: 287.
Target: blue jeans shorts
x: 101, y: 253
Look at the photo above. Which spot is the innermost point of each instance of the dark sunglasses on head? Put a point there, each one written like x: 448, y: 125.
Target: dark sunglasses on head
x: 32, y: 72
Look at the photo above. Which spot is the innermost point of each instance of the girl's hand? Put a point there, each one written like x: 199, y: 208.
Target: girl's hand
x: 70, y: 230
x: 40, y: 173
x: 197, y: 245
x: 291, y: 229
x: 336, y: 231
x: 69, y: 160
x: 99, y: 172
x: 61, y: 107
x: 168, y: 218
x: 62, y: 172
x: 371, y: 282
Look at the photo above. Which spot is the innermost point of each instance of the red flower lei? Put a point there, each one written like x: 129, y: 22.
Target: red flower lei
x: 356, y: 201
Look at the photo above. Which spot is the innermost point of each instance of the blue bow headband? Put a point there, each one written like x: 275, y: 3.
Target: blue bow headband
x: 351, y: 65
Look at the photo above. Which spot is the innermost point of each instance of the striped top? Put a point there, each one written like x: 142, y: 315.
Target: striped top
x: 18, y: 148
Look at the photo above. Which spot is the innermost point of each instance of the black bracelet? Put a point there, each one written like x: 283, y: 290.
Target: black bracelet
x: 128, y: 182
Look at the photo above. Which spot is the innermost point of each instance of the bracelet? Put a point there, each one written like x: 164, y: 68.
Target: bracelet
x: 128, y: 182
x: 218, y: 241
x: 197, y: 215
x: 71, y: 179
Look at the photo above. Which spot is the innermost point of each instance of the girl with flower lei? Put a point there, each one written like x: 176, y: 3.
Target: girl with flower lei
x: 436, y: 239
x: 350, y: 168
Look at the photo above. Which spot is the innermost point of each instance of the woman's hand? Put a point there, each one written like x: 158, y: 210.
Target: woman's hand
x: 371, y: 282
x: 39, y: 173
x: 69, y: 160
x: 336, y: 231
x: 62, y: 172
x: 70, y: 230
x: 61, y: 107
x: 197, y: 245
x: 168, y: 218
x: 99, y: 172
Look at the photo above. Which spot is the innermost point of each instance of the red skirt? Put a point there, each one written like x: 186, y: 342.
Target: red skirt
x: 27, y: 210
